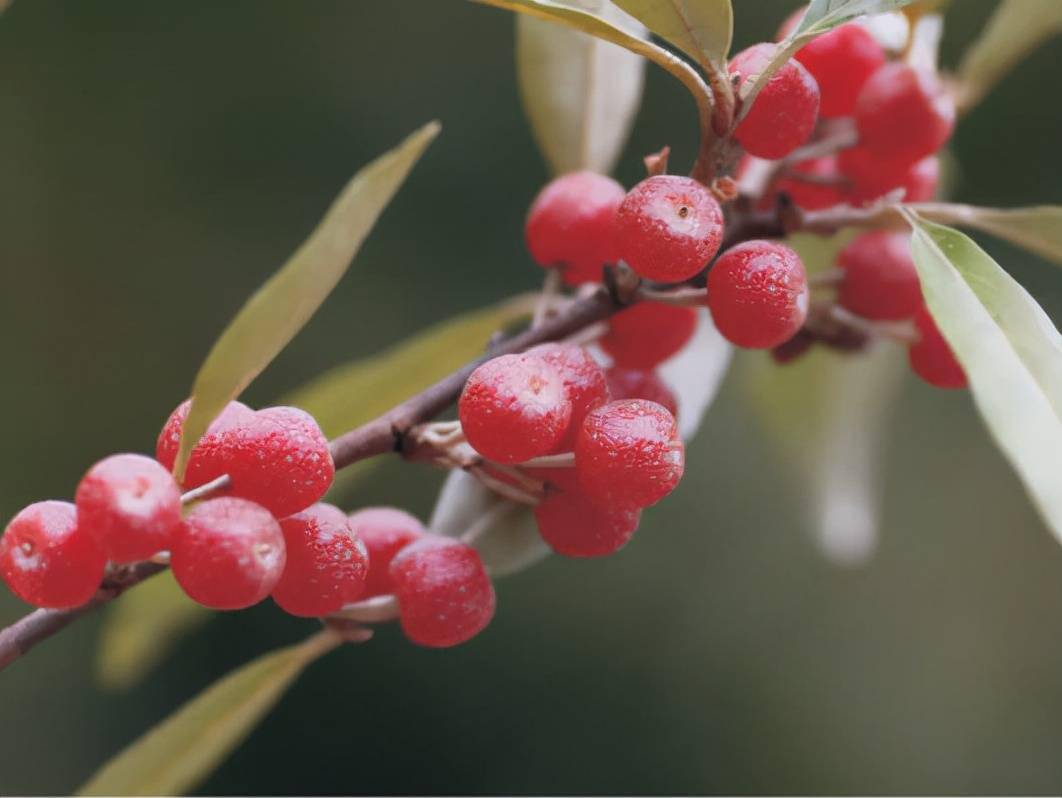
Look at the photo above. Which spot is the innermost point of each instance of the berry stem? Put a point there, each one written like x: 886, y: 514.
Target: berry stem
x: 378, y: 609
x: 681, y: 297
x: 566, y: 460
x: 204, y: 491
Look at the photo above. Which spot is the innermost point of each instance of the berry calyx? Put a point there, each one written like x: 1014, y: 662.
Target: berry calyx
x: 758, y: 294
x: 444, y: 594
x: 646, y: 334
x: 628, y: 454
x: 130, y: 505
x: 626, y: 383
x: 229, y: 553
x: 880, y: 281
x: 569, y: 226
x: 668, y: 228
x: 574, y: 526
x: 903, y: 114
x: 841, y: 61
x: 932, y: 358
x: 584, y: 382
x: 48, y: 560
x: 385, y: 531
x: 783, y: 113
x: 514, y: 408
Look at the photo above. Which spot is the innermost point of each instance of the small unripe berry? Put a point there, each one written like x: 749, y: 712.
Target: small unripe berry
x: 385, y: 531
x: 444, y: 594
x: 872, y: 177
x: 880, y: 281
x: 641, y: 384
x: 668, y: 228
x: 130, y: 505
x: 513, y: 408
x: 628, y: 454
x: 569, y: 226
x: 648, y: 333
x: 574, y: 526
x: 758, y: 294
x: 326, y: 564
x: 47, y: 560
x: 841, y: 61
x: 584, y: 382
x: 903, y: 114
x: 783, y: 113
x: 228, y: 554
x: 932, y: 358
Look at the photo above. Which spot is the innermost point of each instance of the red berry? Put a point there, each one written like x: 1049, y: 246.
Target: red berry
x: 444, y: 594
x: 228, y: 554
x: 575, y: 527
x: 903, y: 114
x: 783, y: 113
x: 513, y: 408
x: 880, y: 280
x: 385, y: 531
x: 641, y: 384
x: 130, y: 505
x: 758, y: 294
x: 628, y: 454
x: 170, y: 437
x: 668, y: 228
x: 326, y: 563
x: 648, y: 333
x: 809, y: 194
x: 841, y: 61
x: 872, y: 177
x: 569, y: 225
x: 47, y: 560
x: 932, y: 358
x: 584, y: 382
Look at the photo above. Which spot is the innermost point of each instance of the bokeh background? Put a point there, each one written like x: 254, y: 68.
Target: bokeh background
x: 159, y: 160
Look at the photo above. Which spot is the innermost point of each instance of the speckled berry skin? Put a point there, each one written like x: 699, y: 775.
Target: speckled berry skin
x: 47, y: 561
x: 326, y: 563
x: 880, y: 281
x: 514, y: 407
x: 641, y: 384
x: 130, y: 505
x: 574, y: 526
x: 648, y: 333
x: 903, y: 114
x: 229, y: 553
x: 668, y: 228
x: 872, y: 178
x: 444, y: 594
x: 932, y: 358
x: 277, y: 457
x: 841, y: 61
x: 758, y: 294
x: 783, y: 114
x: 385, y: 531
x: 584, y: 382
x: 569, y: 226
x: 628, y: 454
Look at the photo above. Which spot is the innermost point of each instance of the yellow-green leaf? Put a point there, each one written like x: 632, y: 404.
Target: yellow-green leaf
x: 140, y: 628
x: 281, y: 307
x: 580, y: 93
x: 703, y: 29
x: 1037, y: 229
x: 185, y: 748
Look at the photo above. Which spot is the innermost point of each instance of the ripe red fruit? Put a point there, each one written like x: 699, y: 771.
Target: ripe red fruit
x: 648, y: 333
x: 880, y: 280
x: 444, y: 594
x: 169, y: 441
x: 841, y: 61
x: 641, y: 384
x: 228, y: 554
x: 584, y: 382
x: 326, y: 563
x: 903, y: 114
x: 575, y: 527
x: 513, y: 408
x: 628, y: 454
x: 47, y: 560
x: 809, y: 194
x: 932, y: 358
x: 783, y: 113
x: 385, y: 531
x: 872, y: 178
x: 569, y: 225
x: 758, y: 294
x: 668, y: 228
x: 130, y: 505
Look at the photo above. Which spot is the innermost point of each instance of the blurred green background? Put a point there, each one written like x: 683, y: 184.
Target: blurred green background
x: 159, y: 160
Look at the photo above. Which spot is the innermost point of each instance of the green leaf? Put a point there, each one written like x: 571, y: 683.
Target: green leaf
x: 1010, y: 350
x: 185, y: 748
x: 141, y: 628
x: 1037, y: 229
x: 281, y: 307
x: 580, y: 93
x: 703, y: 29
x: 1016, y: 29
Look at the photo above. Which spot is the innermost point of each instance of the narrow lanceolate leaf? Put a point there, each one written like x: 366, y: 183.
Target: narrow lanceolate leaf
x: 702, y: 29
x: 580, y: 93
x: 1017, y: 28
x: 1010, y: 350
x: 282, y: 306
x: 181, y: 751
x: 695, y: 374
x: 1037, y: 229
